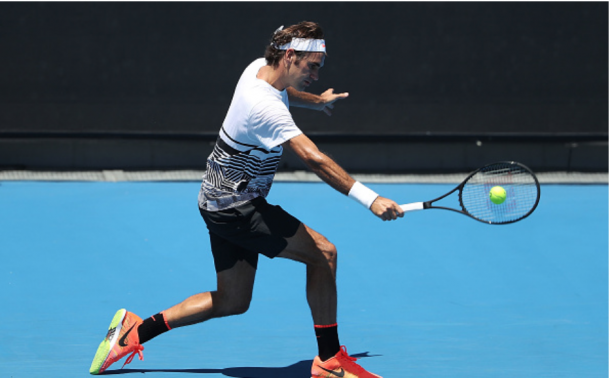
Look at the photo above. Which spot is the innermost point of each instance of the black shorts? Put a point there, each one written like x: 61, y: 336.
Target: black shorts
x: 241, y: 233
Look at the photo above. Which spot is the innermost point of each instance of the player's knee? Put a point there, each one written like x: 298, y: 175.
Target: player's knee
x: 239, y: 308
x: 232, y: 305
x: 234, y: 308
x: 329, y: 251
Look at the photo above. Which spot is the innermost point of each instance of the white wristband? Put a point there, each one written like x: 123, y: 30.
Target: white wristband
x: 362, y: 194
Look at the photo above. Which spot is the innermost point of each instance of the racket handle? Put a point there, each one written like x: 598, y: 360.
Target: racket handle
x: 412, y: 206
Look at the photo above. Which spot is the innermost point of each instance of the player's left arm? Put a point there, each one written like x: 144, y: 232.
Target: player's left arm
x: 335, y: 176
x: 323, y: 102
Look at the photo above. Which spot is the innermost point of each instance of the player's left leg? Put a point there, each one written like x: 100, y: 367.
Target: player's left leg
x: 232, y: 297
x: 235, y: 272
x: 120, y: 341
x: 127, y: 331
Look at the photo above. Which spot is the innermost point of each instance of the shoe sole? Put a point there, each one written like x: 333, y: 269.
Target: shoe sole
x: 106, y: 346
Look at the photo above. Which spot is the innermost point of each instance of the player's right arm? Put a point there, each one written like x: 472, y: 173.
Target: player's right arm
x: 335, y: 176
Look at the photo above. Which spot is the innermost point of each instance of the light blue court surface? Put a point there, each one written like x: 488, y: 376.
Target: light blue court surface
x: 435, y: 294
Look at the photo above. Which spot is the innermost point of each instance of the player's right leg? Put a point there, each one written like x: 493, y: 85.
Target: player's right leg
x: 340, y: 365
x: 320, y: 256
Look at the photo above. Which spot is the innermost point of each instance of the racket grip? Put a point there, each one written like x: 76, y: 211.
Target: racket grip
x: 412, y: 206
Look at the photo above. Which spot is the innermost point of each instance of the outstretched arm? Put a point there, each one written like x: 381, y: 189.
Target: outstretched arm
x: 323, y: 102
x: 331, y: 173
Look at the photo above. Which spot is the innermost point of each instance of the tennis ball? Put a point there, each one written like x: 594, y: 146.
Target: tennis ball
x: 497, y: 195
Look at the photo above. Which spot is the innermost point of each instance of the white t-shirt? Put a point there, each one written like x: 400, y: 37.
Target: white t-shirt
x: 248, y: 149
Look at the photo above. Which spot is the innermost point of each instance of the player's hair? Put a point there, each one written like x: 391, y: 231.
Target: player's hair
x: 304, y: 29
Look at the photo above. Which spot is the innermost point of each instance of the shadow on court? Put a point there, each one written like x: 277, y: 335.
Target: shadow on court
x: 300, y: 369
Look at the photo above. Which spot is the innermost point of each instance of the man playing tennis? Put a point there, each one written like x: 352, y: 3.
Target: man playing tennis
x: 242, y: 224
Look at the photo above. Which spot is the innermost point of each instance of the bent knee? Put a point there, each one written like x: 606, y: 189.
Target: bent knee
x: 238, y: 309
x: 229, y: 305
x: 230, y: 309
x: 329, y: 252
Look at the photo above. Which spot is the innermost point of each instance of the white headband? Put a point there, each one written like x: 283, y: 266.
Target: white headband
x: 303, y: 44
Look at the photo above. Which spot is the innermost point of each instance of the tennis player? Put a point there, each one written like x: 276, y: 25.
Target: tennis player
x: 241, y: 223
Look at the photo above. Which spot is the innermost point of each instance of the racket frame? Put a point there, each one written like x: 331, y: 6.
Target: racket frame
x: 428, y: 204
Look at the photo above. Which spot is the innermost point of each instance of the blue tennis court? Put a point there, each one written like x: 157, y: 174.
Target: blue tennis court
x: 435, y: 294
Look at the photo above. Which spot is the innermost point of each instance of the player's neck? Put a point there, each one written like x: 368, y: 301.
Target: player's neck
x: 273, y: 76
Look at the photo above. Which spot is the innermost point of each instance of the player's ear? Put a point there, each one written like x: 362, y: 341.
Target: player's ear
x: 290, y: 56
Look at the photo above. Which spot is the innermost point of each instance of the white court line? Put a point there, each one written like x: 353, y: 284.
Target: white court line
x: 297, y: 176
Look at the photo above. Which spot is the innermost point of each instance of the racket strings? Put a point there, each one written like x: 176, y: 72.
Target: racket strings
x: 521, y: 193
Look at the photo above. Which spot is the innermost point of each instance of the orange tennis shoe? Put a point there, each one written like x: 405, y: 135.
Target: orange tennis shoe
x: 121, y: 340
x: 339, y: 366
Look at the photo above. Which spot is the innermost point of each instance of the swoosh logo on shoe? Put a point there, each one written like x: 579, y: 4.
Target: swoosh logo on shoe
x: 339, y: 374
x: 122, y: 340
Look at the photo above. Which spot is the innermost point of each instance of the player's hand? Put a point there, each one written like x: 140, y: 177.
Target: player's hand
x: 386, y: 209
x: 328, y: 99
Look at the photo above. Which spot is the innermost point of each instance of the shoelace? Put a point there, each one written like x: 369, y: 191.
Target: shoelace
x: 138, y: 351
x: 351, y: 360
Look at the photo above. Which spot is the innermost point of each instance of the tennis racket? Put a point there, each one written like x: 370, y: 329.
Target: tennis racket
x: 522, y: 194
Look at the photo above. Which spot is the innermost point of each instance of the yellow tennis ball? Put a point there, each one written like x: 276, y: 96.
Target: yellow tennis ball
x: 497, y: 195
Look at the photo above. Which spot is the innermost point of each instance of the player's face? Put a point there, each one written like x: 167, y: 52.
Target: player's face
x: 307, y: 71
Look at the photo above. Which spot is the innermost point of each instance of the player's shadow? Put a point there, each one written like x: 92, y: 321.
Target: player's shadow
x: 300, y: 369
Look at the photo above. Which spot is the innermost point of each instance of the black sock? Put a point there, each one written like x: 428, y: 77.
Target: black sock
x: 328, y: 341
x: 152, y: 327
